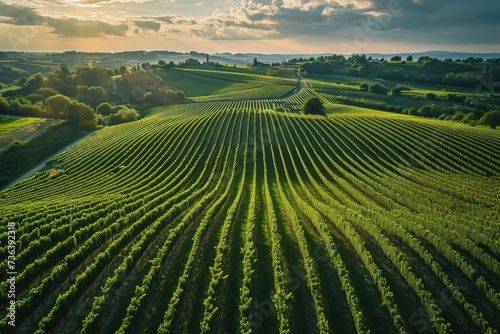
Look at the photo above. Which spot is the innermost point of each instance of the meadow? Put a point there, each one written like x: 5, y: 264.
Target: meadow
x: 224, y: 215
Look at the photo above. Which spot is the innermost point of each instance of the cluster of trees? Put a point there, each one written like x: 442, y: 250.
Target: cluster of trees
x: 332, y: 59
x: 374, y: 88
x: 467, y: 114
x: 87, y: 95
x: 448, y: 71
x: 9, y: 74
x: 190, y: 62
x: 317, y: 67
x: 457, y: 114
x: 146, y: 88
x: 398, y: 89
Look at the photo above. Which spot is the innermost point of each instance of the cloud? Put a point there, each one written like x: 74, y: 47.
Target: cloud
x: 72, y: 27
x: 148, y: 25
x: 66, y: 27
x: 329, y: 22
x: 284, y: 18
x: 419, y: 21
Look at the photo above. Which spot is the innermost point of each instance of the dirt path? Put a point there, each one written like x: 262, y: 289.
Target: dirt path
x: 301, y: 84
x: 44, y: 163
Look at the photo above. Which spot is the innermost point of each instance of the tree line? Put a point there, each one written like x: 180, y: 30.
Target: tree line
x: 458, y: 72
x: 90, y: 96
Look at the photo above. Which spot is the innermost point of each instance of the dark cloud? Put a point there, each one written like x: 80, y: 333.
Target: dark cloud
x: 198, y: 32
x: 166, y: 19
x: 443, y: 22
x: 148, y: 25
x: 66, y: 27
x: 86, y: 28
x: 19, y: 15
x: 278, y: 19
x: 439, y: 22
x: 409, y: 21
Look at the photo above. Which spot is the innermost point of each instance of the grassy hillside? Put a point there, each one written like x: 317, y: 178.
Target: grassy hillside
x: 25, y: 148
x: 222, y: 216
x: 220, y: 84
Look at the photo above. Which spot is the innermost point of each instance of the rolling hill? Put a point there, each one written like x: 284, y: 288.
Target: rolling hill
x: 228, y: 217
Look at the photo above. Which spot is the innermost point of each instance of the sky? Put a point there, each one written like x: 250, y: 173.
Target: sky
x: 251, y: 26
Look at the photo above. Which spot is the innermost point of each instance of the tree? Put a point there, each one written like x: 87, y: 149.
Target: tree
x: 4, y: 105
x: 378, y: 89
x: 313, y: 106
x: 93, y: 96
x: 424, y: 59
x: 457, y: 117
x: 409, y: 58
x: 123, y: 70
x: 430, y: 96
x: 93, y: 76
x: 424, y: 111
x: 34, y: 82
x: 192, y: 62
x: 470, y: 118
x: 86, y: 116
x: 395, y: 91
x: 396, y: 58
x: 123, y: 116
x: 491, y: 118
x: 357, y: 59
x: 64, y: 71
x: 104, y: 109
x: 318, y: 67
x: 59, y: 105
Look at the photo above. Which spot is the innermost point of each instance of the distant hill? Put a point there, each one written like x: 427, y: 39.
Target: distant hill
x: 143, y: 56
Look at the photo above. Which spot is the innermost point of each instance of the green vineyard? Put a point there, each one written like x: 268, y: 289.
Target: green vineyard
x: 228, y: 217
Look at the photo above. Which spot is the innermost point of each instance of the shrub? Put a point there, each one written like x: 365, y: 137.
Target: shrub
x: 363, y: 87
x: 313, y: 106
x: 470, y: 118
x: 430, y: 96
x: 424, y: 111
x: 123, y: 116
x: 104, y: 109
x: 378, y: 89
x: 491, y: 118
x: 457, y: 117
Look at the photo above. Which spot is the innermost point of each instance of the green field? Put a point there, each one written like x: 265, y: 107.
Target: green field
x: 20, y: 129
x: 8, y: 124
x: 225, y: 217
x: 205, y: 84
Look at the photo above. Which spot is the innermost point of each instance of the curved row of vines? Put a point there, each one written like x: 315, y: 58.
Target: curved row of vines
x: 224, y: 217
